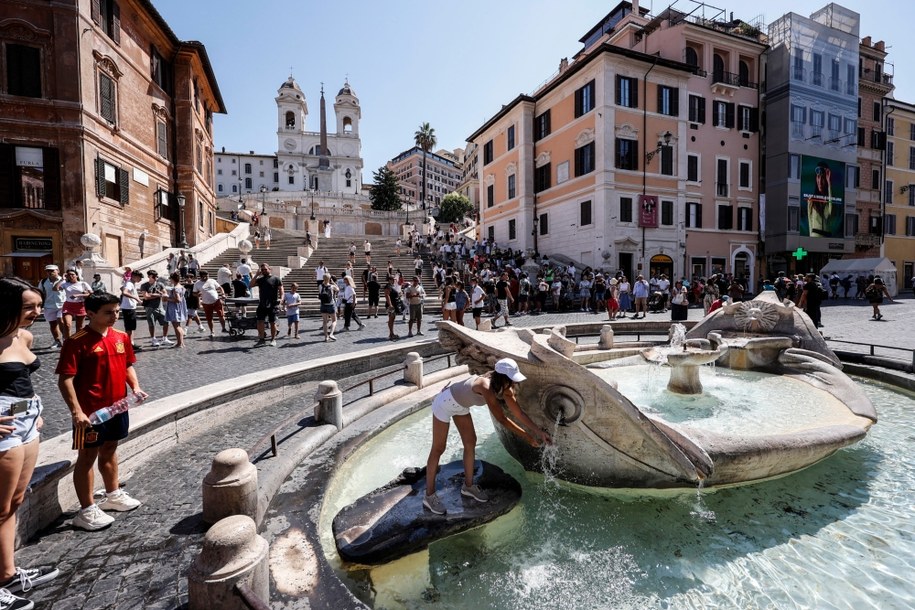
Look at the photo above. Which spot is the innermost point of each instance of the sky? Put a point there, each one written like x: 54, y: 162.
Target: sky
x: 451, y: 64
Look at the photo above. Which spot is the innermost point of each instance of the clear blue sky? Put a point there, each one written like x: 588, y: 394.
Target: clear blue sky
x: 452, y: 64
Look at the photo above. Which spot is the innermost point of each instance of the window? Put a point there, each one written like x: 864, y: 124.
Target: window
x: 910, y: 226
x: 725, y: 217
x: 627, y: 154
x: 851, y: 126
x: 625, y: 209
x: 112, y: 182
x: 162, y: 210
x: 890, y: 126
x: 276, y: 176
x: 817, y: 119
x: 878, y: 140
x: 798, y: 65
x: 694, y: 215
x: 667, y: 160
x: 585, y: 213
x: 23, y: 70
x: 510, y: 137
x: 850, y: 80
x: 834, y: 122
x: 911, y: 193
x: 794, y: 167
x: 888, y: 192
x: 668, y: 100
x: 162, y: 139
x: 912, y: 131
x: 107, y: 14
x: 696, y: 109
x: 219, y: 188
x: 107, y: 97
x: 544, y: 224
x: 511, y: 229
x: 29, y: 177
x: 851, y: 176
x: 542, y: 126
x: 890, y: 150
x: 691, y: 57
x: 160, y: 71
x: 834, y: 82
x: 798, y: 114
x: 861, y: 137
x: 911, y: 157
x: 511, y: 186
x: 584, y: 99
x: 692, y: 168
x: 667, y: 213
x: 234, y: 188
x: 721, y: 177
x: 723, y: 114
x: 487, y: 153
x: 875, y: 179
x: 542, y: 176
x: 584, y: 159
x: 491, y: 233
x: 291, y: 179
x: 851, y: 224
x: 889, y: 224
x: 877, y: 112
x: 247, y: 168
x: 817, y: 69
x: 744, y: 179
x: 747, y: 118
x: 743, y: 74
x: 627, y: 91
x: 490, y: 195
x: 744, y: 219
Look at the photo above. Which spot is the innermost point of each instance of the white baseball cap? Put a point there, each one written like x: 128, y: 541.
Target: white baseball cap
x: 509, y: 368
x: 51, y: 268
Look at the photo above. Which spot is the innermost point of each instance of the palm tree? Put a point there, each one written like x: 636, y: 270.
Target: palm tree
x: 425, y: 139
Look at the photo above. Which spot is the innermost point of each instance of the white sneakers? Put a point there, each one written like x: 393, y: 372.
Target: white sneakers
x: 94, y: 518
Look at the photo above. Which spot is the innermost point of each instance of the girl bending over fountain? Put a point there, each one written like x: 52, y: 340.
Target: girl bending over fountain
x: 455, y: 401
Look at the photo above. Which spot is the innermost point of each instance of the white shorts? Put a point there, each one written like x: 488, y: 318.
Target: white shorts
x: 451, y: 306
x: 444, y: 407
x: 52, y: 315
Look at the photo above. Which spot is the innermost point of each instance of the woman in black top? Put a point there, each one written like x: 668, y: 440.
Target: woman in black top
x: 20, y: 421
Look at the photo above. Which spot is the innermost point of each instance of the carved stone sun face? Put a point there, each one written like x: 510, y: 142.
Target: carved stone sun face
x: 756, y: 316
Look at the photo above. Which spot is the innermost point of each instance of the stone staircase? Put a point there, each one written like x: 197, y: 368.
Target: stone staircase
x: 335, y: 254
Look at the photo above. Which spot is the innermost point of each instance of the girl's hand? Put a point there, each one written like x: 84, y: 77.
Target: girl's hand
x: 6, y: 427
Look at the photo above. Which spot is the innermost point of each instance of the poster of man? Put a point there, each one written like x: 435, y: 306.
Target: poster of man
x: 822, y: 197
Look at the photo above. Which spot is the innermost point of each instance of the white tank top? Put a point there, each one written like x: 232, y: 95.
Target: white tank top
x: 463, y: 393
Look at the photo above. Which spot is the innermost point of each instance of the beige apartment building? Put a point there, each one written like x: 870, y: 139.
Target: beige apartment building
x: 899, y: 211
x: 443, y: 175
x: 107, y: 119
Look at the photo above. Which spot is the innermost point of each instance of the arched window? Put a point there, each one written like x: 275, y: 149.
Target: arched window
x: 290, y: 120
x: 718, y: 66
x: 247, y: 168
x: 743, y: 74
x: 347, y: 125
x: 691, y: 57
x: 248, y: 183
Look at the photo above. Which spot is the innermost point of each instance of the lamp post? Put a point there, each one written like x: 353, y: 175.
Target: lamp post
x: 312, y: 204
x: 181, y: 202
x: 263, y: 198
x: 664, y: 141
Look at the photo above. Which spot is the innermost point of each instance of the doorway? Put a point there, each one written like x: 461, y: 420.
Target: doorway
x: 625, y: 264
x: 661, y: 264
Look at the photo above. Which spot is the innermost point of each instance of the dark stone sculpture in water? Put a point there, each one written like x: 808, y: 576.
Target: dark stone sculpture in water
x: 390, y: 522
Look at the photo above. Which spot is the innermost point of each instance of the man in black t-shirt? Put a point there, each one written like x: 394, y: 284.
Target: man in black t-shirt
x: 270, y: 295
x: 151, y: 293
x: 504, y: 297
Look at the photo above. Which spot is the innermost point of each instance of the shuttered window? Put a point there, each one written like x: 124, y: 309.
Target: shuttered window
x: 107, y: 98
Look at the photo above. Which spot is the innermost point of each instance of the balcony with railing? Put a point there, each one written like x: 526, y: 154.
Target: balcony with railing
x: 722, y: 189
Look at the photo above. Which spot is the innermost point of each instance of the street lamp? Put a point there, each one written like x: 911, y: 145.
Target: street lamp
x: 312, y: 204
x: 181, y: 202
x: 661, y: 144
x: 263, y: 198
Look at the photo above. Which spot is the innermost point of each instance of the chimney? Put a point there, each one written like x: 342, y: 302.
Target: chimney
x: 880, y: 46
x: 635, y: 7
x: 866, y: 41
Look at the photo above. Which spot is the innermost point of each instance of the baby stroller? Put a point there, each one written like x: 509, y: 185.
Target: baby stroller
x: 657, y: 302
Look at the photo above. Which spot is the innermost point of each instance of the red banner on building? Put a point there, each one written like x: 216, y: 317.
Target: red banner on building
x: 648, y: 211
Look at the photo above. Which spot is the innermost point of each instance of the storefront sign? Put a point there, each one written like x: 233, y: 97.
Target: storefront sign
x: 33, y: 244
x: 29, y: 157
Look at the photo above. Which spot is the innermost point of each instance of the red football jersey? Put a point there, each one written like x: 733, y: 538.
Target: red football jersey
x: 98, y: 365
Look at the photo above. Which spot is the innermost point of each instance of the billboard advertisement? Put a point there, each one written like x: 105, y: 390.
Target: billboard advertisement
x: 648, y: 211
x: 822, y: 197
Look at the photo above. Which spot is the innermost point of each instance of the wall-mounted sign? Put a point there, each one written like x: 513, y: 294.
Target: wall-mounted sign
x: 29, y: 157
x: 648, y: 211
x: 33, y: 244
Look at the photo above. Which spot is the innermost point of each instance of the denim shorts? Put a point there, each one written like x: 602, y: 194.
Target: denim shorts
x: 25, y: 424
x: 444, y: 406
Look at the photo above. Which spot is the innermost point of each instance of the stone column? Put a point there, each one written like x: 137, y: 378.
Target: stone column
x: 232, y: 554
x: 413, y: 369
x: 330, y: 404
x: 606, y: 337
x: 230, y: 488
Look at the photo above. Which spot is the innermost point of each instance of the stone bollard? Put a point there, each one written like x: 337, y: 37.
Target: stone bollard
x: 606, y: 337
x: 232, y: 554
x: 330, y: 404
x: 230, y: 488
x: 413, y: 369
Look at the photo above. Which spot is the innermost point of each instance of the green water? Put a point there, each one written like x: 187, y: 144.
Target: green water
x: 837, y: 535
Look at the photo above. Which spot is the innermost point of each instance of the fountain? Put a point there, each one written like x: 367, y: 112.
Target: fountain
x: 609, y: 437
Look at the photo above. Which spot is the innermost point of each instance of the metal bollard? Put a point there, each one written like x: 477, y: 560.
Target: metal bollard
x: 330, y: 404
x: 232, y: 554
x: 606, y: 337
x: 230, y: 488
x: 413, y: 369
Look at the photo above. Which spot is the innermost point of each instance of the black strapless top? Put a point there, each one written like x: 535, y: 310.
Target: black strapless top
x: 16, y: 378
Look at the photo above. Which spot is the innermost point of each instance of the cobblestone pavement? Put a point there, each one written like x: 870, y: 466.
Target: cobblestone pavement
x: 141, y: 561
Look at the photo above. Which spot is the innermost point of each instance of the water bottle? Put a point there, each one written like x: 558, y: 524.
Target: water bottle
x: 103, y: 415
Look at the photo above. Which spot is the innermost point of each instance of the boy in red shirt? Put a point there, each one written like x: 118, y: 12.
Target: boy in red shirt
x: 95, y: 368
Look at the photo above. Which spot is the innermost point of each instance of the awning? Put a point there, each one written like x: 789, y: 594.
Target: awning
x: 27, y: 254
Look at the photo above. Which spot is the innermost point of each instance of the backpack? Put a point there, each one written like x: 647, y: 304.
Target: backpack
x: 872, y: 292
x: 325, y: 295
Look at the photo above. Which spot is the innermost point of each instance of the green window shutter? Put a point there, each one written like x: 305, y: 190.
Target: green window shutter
x: 99, y: 177
x: 124, y: 184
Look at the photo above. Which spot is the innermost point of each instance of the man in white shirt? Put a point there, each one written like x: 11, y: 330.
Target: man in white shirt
x: 129, y: 299
x: 477, y: 300
x: 209, y: 292
x: 320, y: 272
x: 53, y: 302
x: 664, y: 289
x: 224, y: 277
x: 244, y: 270
x: 367, y: 248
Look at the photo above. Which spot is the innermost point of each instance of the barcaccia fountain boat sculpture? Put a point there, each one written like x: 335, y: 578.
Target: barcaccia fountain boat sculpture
x: 626, y: 416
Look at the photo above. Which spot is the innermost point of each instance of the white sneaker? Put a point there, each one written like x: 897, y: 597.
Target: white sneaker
x: 155, y: 342
x: 92, y: 518
x: 201, y: 329
x: 166, y: 341
x: 272, y: 342
x: 119, y: 501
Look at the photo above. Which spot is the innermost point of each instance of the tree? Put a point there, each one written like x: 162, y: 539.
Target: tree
x: 454, y: 208
x: 425, y: 139
x: 385, y: 193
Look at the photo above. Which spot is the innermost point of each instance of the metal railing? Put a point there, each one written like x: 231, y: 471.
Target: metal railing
x: 872, y: 347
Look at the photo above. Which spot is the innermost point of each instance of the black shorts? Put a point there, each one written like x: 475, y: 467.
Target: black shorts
x: 266, y: 312
x: 373, y: 300
x: 115, y: 429
x: 477, y: 312
x: 130, y: 319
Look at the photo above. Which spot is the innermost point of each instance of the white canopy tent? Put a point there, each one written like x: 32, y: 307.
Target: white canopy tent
x: 878, y: 267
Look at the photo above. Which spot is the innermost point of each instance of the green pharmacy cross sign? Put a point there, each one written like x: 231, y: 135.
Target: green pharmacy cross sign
x: 799, y: 253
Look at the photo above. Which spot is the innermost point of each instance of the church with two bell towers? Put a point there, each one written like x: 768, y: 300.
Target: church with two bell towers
x: 309, y: 160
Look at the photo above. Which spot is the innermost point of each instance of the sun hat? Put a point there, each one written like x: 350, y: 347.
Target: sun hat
x: 51, y: 268
x: 613, y: 281
x: 509, y: 368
